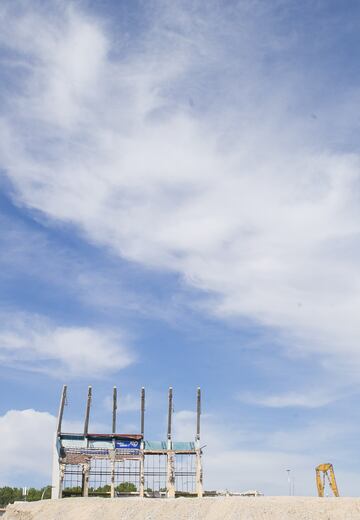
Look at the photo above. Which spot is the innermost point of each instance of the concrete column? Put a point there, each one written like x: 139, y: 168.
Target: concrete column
x: 55, y: 481
x: 112, y: 484
x: 114, y: 409
x: 85, y: 479
x: 142, y: 475
x: 87, y: 412
x: 142, y: 445
x: 170, y: 412
x: 199, y: 471
x: 170, y: 471
x: 56, y: 484
x: 198, y: 414
x: 199, y: 474
x: 61, y: 480
x: 170, y: 485
x: 61, y: 409
x: 142, y: 411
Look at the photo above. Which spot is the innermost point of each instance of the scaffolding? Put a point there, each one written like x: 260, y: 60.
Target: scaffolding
x: 117, y: 464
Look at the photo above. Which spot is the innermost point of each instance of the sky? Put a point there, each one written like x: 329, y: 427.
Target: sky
x: 179, y: 206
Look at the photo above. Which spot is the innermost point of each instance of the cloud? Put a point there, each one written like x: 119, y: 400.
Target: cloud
x: 233, y: 459
x: 236, y: 192
x: 243, y: 458
x: 125, y: 403
x: 26, y: 446
x: 26, y: 440
x: 289, y: 399
x: 33, y: 253
x: 33, y: 343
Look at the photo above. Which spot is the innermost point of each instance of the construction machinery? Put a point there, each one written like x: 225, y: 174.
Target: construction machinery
x: 326, y: 471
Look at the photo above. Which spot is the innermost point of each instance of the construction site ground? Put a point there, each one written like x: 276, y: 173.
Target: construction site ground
x: 217, y: 508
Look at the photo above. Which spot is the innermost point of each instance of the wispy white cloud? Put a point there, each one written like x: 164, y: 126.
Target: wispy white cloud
x: 31, y: 342
x: 31, y: 252
x: 239, y: 458
x: 125, y: 403
x: 233, y: 190
x: 290, y: 399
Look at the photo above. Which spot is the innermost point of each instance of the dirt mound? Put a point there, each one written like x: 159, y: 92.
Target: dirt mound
x: 219, y: 508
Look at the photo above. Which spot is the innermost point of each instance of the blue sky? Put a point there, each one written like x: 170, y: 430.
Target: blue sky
x: 180, y: 206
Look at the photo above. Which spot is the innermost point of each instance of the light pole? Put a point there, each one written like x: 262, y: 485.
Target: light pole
x: 289, y: 480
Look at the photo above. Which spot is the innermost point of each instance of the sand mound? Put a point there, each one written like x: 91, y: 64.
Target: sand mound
x: 219, y: 508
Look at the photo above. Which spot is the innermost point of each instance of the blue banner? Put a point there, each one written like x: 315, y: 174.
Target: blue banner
x: 127, y: 444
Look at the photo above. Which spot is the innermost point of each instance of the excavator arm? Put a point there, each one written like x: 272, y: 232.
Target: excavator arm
x: 332, y: 481
x: 322, y: 471
x: 319, y: 483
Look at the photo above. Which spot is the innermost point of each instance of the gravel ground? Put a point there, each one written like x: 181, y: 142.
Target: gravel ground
x: 218, y: 508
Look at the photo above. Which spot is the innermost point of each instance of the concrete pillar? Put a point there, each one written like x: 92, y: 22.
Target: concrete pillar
x: 56, y: 473
x: 61, y: 480
x: 198, y: 414
x: 170, y: 471
x: 142, y: 445
x: 56, y: 487
x: 114, y: 409
x: 199, y: 474
x: 112, y: 484
x: 199, y: 471
x: 85, y: 479
x: 61, y: 409
x: 142, y: 474
x: 170, y: 412
x: 87, y: 412
x: 170, y: 484
x: 142, y: 411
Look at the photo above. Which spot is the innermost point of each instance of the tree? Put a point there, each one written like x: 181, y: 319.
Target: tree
x: 45, y: 493
x: 101, y: 489
x: 33, y: 494
x: 72, y: 491
x: 8, y: 495
x: 126, y: 487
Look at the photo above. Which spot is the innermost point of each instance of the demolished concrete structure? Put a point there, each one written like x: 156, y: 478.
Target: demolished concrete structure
x: 118, y: 464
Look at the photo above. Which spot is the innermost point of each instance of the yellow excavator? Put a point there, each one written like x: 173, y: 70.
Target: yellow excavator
x: 322, y: 471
